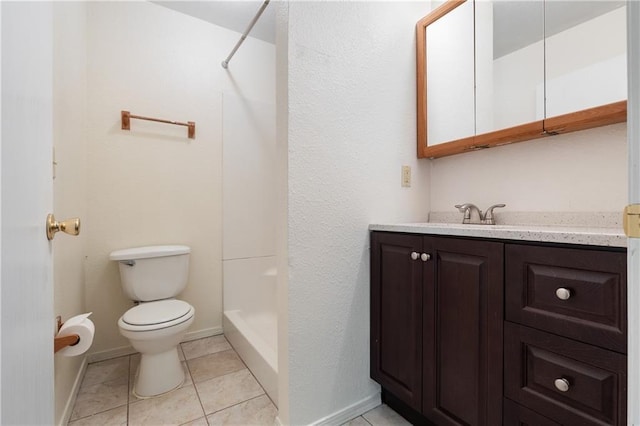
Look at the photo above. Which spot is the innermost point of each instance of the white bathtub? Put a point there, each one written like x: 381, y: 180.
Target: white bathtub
x: 250, y: 317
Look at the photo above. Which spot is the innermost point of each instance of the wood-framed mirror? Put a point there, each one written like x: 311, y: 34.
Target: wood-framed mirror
x: 491, y: 73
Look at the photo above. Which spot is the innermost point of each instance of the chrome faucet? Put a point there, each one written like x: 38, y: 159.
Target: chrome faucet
x: 488, y: 218
x: 468, y: 209
x: 482, y: 219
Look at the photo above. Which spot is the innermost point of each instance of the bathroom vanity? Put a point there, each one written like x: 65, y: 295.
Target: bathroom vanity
x: 490, y: 325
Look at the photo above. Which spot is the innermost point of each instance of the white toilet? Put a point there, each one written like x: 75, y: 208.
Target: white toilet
x: 153, y: 276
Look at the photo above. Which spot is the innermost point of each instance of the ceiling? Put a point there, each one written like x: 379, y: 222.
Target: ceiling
x: 233, y: 15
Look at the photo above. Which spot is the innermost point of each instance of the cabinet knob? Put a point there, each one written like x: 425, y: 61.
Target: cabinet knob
x: 563, y: 293
x: 425, y: 257
x: 414, y: 255
x: 561, y: 384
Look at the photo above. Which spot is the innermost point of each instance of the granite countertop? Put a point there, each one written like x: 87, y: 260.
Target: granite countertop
x: 596, y: 236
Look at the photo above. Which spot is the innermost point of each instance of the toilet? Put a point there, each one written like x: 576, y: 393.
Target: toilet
x: 153, y: 276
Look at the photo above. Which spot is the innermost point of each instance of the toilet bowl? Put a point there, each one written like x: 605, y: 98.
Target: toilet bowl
x: 152, y: 276
x: 155, y: 329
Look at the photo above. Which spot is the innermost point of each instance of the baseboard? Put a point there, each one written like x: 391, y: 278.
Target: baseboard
x: 68, y: 408
x: 201, y: 334
x: 110, y: 354
x: 351, y: 412
x: 128, y: 350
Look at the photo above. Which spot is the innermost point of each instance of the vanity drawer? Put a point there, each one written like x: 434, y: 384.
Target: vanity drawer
x: 570, y: 382
x: 517, y: 415
x: 577, y: 293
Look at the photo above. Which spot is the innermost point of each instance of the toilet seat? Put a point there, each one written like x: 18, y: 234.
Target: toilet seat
x: 156, y: 315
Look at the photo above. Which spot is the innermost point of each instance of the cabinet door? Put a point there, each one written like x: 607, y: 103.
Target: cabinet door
x: 509, y: 66
x: 462, y: 332
x: 396, y: 315
x: 450, y: 76
x: 585, y: 55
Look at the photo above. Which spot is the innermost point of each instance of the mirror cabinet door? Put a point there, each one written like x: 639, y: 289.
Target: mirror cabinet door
x: 493, y: 72
x: 450, y: 76
x: 585, y: 55
x: 509, y: 69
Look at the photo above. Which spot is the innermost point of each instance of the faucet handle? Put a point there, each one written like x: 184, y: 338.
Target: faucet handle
x: 488, y: 215
x: 466, y: 209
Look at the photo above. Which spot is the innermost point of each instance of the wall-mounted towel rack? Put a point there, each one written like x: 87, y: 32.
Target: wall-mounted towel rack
x: 126, y: 116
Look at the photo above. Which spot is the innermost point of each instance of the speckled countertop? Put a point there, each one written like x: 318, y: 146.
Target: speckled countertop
x: 605, y: 236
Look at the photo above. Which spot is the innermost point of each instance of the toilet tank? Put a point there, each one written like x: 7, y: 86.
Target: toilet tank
x: 153, y: 272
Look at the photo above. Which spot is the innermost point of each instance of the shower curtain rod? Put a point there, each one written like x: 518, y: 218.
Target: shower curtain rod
x: 225, y: 63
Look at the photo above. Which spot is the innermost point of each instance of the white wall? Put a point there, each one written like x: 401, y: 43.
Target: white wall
x: 249, y: 205
x: 351, y: 125
x: 70, y: 184
x: 249, y: 186
x: 152, y: 185
x: 577, y: 172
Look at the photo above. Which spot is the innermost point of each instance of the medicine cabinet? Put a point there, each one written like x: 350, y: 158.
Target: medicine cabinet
x: 491, y: 73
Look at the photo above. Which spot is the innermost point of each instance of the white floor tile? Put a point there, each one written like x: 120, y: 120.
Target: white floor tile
x: 174, y: 408
x: 382, y: 415
x: 206, y: 346
x: 224, y: 390
x: 257, y: 411
x: 113, y: 417
x: 100, y: 397
x: 221, y: 392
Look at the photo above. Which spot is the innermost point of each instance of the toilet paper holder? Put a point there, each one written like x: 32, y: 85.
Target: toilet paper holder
x: 62, y: 342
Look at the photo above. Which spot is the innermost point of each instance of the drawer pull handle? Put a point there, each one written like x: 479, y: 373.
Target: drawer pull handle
x: 414, y: 255
x: 561, y: 384
x: 425, y: 257
x: 563, y: 293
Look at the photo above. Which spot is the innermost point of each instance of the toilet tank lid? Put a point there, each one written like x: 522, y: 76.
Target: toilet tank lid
x: 148, y: 252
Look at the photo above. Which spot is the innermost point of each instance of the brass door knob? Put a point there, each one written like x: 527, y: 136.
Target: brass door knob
x: 69, y: 226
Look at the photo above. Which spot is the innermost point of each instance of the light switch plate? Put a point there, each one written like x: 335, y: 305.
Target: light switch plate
x: 406, y: 176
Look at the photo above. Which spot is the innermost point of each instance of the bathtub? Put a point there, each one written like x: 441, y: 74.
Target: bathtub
x: 250, y: 317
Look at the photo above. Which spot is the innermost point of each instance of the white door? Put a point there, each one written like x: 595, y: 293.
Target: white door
x: 26, y: 295
x: 633, y: 244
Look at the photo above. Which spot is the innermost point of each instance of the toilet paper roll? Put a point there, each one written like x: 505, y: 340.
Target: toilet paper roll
x: 83, y: 327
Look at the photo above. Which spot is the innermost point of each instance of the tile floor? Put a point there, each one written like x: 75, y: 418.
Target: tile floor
x: 218, y: 390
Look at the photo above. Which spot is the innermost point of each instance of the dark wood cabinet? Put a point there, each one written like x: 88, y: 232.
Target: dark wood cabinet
x: 442, y: 353
x: 517, y: 415
x: 592, y: 308
x: 396, y: 315
x: 462, y: 335
x: 451, y: 317
x: 571, y: 382
x: 566, y: 333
